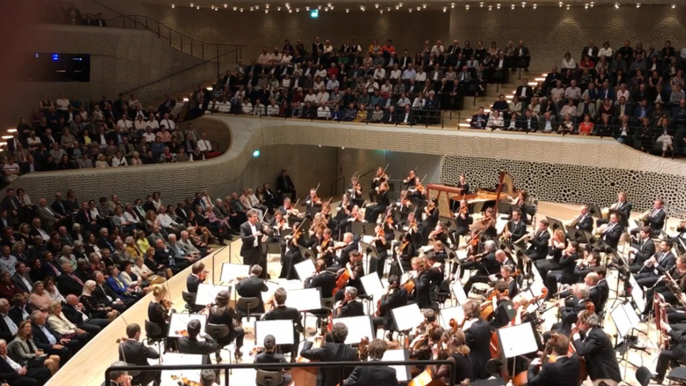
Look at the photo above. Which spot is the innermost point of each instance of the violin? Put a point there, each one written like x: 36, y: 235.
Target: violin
x: 166, y: 303
x: 183, y: 333
x: 184, y: 381
x: 256, y: 350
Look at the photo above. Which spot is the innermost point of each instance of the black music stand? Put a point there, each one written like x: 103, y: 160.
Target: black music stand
x: 595, y: 211
x: 449, y: 222
x: 370, y: 251
x: 272, y: 247
x: 307, y: 253
x: 358, y: 201
x: 555, y: 224
x: 357, y: 228
x: 398, y: 235
x: 478, y: 207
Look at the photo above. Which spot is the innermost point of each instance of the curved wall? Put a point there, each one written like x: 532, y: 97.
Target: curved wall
x: 554, y: 168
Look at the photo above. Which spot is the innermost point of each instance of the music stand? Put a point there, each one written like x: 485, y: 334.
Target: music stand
x: 231, y: 272
x: 304, y: 299
x: 359, y: 327
x: 176, y: 359
x: 372, y: 285
x: 637, y: 293
x: 446, y: 314
x: 357, y: 228
x: 595, y: 211
x: 517, y: 340
x: 579, y: 235
x: 304, y: 269
x: 358, y: 201
x: 307, y: 253
x: 478, y: 207
x: 369, y: 251
x: 272, y: 248
x: 555, y: 223
x: 398, y: 235
x: 621, y: 321
x: 282, y: 330
x: 449, y: 222
x: 458, y: 292
x: 208, y: 292
x: 179, y: 322
x: 402, y: 373
x: 407, y: 317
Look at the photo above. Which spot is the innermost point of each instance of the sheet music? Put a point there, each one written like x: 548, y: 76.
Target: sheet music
x: 304, y: 269
x: 637, y: 293
x: 459, y: 293
x: 407, y: 317
x: 401, y: 372
x: 208, y: 292
x: 179, y: 322
x: 456, y: 313
x: 282, y: 330
x: 304, y: 299
x: 233, y: 271
x: 372, y: 285
x: 621, y: 321
x: 171, y: 359
x: 517, y: 340
x: 634, y: 320
x: 359, y: 327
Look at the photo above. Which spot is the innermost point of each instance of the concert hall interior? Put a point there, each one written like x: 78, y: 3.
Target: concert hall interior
x: 340, y: 193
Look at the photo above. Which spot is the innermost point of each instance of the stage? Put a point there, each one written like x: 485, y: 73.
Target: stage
x: 88, y: 365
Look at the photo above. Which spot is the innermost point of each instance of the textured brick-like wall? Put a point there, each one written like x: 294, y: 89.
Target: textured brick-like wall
x: 553, y: 154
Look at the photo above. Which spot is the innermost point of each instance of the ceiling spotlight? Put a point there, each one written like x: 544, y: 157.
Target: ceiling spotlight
x: 216, y: 9
x: 234, y: 8
x: 331, y: 7
x: 497, y: 5
x: 523, y: 4
x: 319, y: 7
x: 347, y: 10
x: 424, y: 6
x: 561, y: 4
x: 226, y: 6
x: 241, y: 10
x: 466, y: 7
x: 376, y: 5
x: 490, y: 7
x: 297, y: 10
x: 397, y: 7
x: 257, y: 7
x: 534, y: 6
x: 278, y: 9
x: 173, y: 6
x: 362, y: 8
x: 266, y: 11
x: 410, y: 10
x: 266, y: 6
x: 198, y: 7
x: 673, y: 6
x: 388, y: 9
x: 252, y: 9
x: 616, y: 5
x: 307, y: 8
x: 445, y: 9
x: 481, y: 4
x: 592, y: 4
x: 586, y: 6
x: 381, y: 11
x: 192, y: 5
x: 567, y: 6
x: 638, y: 5
x: 290, y: 10
x: 419, y: 8
x: 452, y: 5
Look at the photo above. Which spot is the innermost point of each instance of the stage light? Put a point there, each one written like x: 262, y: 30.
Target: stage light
x: 256, y: 153
x: 6, y: 136
x: 638, y: 5
x: 226, y: 6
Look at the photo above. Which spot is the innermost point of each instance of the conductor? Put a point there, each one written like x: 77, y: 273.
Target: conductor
x: 251, y: 237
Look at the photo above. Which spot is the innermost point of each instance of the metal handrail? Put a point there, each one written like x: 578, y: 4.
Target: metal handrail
x: 334, y: 183
x: 279, y: 366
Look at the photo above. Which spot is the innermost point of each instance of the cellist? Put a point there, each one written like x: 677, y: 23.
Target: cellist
x: 557, y: 367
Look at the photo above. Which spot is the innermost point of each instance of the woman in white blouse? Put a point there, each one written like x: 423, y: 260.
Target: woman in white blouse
x: 119, y: 160
x: 52, y: 290
x: 142, y: 270
x: 97, y: 114
x: 568, y: 62
x: 606, y: 51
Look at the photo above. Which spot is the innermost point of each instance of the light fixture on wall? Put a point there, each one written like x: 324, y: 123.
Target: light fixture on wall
x: 419, y: 9
x: 481, y: 4
x: 523, y: 4
x: 490, y: 7
x: 290, y: 10
x: 561, y: 4
x: 616, y: 5
x: 424, y: 6
x: 673, y: 6
x: 445, y: 9
x: 586, y: 6
x: 452, y: 5
x: 497, y: 6
x: 397, y: 7
x: 568, y: 7
x: 198, y: 7
x: 256, y: 153
x: 307, y: 8
x: 388, y: 9
x: 266, y: 6
x: 266, y: 11
x: 376, y: 5
x: 512, y: 7
x: 257, y: 7
x: 226, y: 6
x: 173, y: 6
x: 410, y: 9
x: 381, y: 11
x: 252, y: 9
x: 466, y: 7
x: 534, y: 7
x: 638, y: 5
x: 347, y: 10
x: 362, y: 8
x: 192, y: 5
x: 235, y: 8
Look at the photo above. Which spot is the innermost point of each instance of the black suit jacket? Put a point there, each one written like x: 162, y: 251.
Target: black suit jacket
x: 518, y: 231
x: 585, y: 223
x: 330, y: 352
x: 60, y: 207
x: 657, y: 221
x: 351, y: 309
x: 286, y: 313
x: 596, y: 348
x: 540, y: 243
x: 325, y: 281
x: 41, y: 340
x: 529, y: 92
x: 345, y: 254
x: 612, y: 235
x: 192, y: 282
x: 372, y: 375
x: 250, y: 253
x: 73, y: 314
x: 206, y: 347
x: 396, y: 299
x: 665, y: 263
x: 5, y: 331
x: 16, y: 279
x: 284, y: 184
x: 645, y: 249
x: 563, y: 372
x: 68, y: 286
x: 252, y: 287
x: 136, y: 353
x: 478, y: 337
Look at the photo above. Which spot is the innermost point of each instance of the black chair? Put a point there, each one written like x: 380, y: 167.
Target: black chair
x: 248, y: 304
x: 643, y: 375
x: 189, y: 298
x: 269, y: 378
x: 153, y: 333
x: 218, y: 331
x: 677, y: 375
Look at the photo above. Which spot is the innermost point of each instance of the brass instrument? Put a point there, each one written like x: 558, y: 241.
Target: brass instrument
x: 506, y: 235
x: 645, y: 217
x: 600, y: 230
x: 525, y: 238
x: 573, y: 223
x: 675, y: 288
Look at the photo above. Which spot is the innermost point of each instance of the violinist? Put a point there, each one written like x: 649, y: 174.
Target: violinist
x: 438, y: 234
x: 435, y: 273
x: 484, y: 263
x: 420, y: 348
x: 325, y: 249
x: 354, y: 216
x: 345, y: 207
x: 403, y: 205
x: 334, y: 351
x: 322, y: 279
x: 312, y: 201
x: 281, y: 312
x: 565, y: 273
x: 459, y: 353
x: 159, y: 311
x: 422, y: 284
x: 350, y: 305
x: 278, y: 224
x: 373, y: 211
x: 463, y: 184
x: 430, y: 216
x: 556, y: 367
x: 135, y: 352
x: 410, y: 181
x: 355, y: 189
x: 222, y: 313
x: 292, y: 255
x: 506, y: 275
x: 596, y: 348
x: 197, y: 276
x: 395, y: 296
x: 402, y: 256
x: 478, y: 334
x: 269, y: 355
x: 412, y: 229
x: 389, y: 228
x: 418, y: 191
x: 287, y: 210
x: 380, y: 242
x: 379, y: 178
x: 439, y: 251
x: 464, y: 220
x: 192, y: 345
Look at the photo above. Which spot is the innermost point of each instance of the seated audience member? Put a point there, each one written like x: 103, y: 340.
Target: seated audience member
x: 24, y: 351
x: 17, y: 375
x: 76, y: 313
x: 61, y: 325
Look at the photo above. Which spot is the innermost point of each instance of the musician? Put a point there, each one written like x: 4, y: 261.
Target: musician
x: 515, y: 228
x: 380, y: 375
x: 540, y: 240
x: 279, y: 311
x: 521, y: 204
x: 642, y: 249
x: 196, y: 277
x: 506, y: 275
x: 418, y: 191
x: 655, y: 218
x: 159, y: 311
x: 335, y: 351
x: 251, y: 238
x: 622, y: 207
x: 431, y: 214
x: 438, y: 251
x: 221, y: 313
x: 403, y: 205
x: 322, y: 279
x: 556, y: 245
x: 478, y: 334
x: 597, y: 294
x: 278, y: 223
x: 344, y: 209
x: 569, y: 310
x: 373, y: 211
x: 422, y: 284
x: 463, y: 184
x: 252, y: 287
x: 135, y: 352
x: 395, y: 296
x: 595, y: 346
x: 412, y: 229
x: 287, y: 209
x: 661, y: 262
x: 192, y: 345
x: 284, y: 185
x: 436, y: 275
x: 350, y: 246
x: 313, y: 203
x: 678, y: 273
x: 583, y: 222
x: 485, y: 263
x: 565, y: 273
x: 672, y: 356
x: 291, y: 252
x: 350, y: 305
x: 355, y: 190
x: 589, y: 263
x: 380, y: 242
x: 421, y: 346
x: 557, y: 368
x: 410, y: 181
x: 463, y: 220
x: 270, y: 356
x: 402, y: 256
x: 354, y: 216
x: 379, y: 178
x: 487, y: 224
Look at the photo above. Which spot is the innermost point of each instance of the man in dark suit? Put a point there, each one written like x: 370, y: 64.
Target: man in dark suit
x: 350, y: 305
x: 8, y: 328
x: 281, y: 312
x: 67, y: 282
x: 516, y: 227
x: 48, y: 340
x: 191, y: 345
x: 380, y: 375
x: 395, y: 297
x: 19, y: 311
x: 196, y: 277
x: 563, y: 372
x: 539, y: 242
x: 18, y: 374
x: 656, y: 266
x: 105, y: 295
x: 335, y: 351
x: 134, y: 352
x: 642, y: 250
x: 351, y: 246
x: 673, y: 356
x: 11, y: 204
x: 612, y: 233
x: 596, y: 348
x: 269, y: 356
x: 390, y: 116
x: 59, y: 206
x: 76, y: 313
x: 570, y: 309
x: 21, y: 278
x: 525, y: 92
x: 656, y: 217
x: 284, y: 185
x: 251, y: 238
x: 488, y: 265
x: 591, y: 51
x: 252, y: 287
x: 477, y: 337
x: 322, y: 279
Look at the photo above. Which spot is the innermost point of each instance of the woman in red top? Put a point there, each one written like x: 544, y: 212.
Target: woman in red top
x: 586, y: 127
x: 586, y: 62
x: 7, y: 288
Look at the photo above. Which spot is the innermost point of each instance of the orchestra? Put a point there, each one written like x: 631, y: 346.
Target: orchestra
x: 514, y: 268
